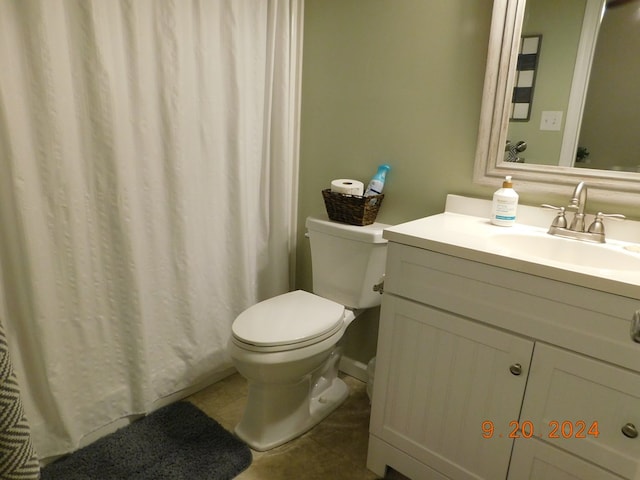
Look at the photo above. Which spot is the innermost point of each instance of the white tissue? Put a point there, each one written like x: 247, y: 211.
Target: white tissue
x: 348, y: 186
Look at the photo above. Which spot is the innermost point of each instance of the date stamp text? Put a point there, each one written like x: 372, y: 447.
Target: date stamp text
x: 553, y: 429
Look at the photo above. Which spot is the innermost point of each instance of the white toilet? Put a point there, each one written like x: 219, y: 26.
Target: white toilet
x: 287, y: 346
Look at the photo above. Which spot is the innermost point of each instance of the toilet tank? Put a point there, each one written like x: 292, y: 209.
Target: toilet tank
x: 347, y: 261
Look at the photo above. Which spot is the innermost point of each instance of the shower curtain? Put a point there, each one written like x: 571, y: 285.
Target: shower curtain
x: 148, y: 178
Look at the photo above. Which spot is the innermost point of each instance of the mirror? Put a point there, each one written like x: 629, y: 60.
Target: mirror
x: 559, y: 174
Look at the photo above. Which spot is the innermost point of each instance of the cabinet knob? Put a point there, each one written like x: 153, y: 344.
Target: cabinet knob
x: 630, y: 430
x: 635, y: 327
x: 516, y: 369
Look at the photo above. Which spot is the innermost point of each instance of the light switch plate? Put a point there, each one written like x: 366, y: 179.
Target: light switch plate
x: 550, y: 120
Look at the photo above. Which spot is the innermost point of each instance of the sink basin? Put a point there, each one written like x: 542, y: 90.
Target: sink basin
x: 566, y: 251
x: 464, y: 231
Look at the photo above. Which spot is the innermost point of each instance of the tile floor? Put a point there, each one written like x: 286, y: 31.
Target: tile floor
x: 335, y: 449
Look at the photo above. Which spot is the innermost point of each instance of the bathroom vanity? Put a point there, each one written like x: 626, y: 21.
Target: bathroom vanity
x: 500, y: 360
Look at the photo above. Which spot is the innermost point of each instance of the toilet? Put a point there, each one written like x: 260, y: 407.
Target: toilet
x: 288, y: 347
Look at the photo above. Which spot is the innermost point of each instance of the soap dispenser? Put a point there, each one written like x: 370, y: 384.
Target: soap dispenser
x: 505, y: 204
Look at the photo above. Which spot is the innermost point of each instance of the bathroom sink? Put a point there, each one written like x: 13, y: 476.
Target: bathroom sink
x: 554, y: 249
x: 464, y: 231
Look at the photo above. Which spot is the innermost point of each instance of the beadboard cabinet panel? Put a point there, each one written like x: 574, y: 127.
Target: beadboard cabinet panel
x: 445, y: 377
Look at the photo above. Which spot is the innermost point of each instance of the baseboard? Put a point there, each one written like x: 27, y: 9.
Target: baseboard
x: 354, y: 368
x: 187, y: 392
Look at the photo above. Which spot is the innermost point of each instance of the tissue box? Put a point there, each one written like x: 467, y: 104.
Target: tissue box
x: 352, y: 209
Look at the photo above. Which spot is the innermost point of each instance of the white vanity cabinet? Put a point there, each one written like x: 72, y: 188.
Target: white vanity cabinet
x: 477, y: 363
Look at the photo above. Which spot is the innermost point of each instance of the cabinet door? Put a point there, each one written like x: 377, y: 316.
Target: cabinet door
x: 585, y: 406
x: 439, y: 380
x: 535, y: 460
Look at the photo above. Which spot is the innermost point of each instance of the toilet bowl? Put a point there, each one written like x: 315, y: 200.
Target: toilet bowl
x: 289, y: 347
x: 293, y: 383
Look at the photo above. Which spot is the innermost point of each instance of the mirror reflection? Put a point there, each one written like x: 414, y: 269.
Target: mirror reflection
x: 584, y: 105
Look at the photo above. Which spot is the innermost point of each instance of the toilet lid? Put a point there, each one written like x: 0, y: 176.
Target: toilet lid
x: 287, y: 319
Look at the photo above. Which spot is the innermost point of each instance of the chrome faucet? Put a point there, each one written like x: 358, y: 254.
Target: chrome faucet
x: 578, y: 202
x: 576, y: 230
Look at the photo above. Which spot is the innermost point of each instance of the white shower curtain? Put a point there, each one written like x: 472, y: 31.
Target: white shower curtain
x: 148, y: 178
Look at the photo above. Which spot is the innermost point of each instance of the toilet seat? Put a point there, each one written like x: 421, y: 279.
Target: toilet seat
x: 286, y: 322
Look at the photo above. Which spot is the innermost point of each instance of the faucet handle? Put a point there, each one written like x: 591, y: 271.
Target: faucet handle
x: 560, y: 221
x: 598, y: 226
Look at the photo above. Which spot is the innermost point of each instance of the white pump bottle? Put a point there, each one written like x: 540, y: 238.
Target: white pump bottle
x: 505, y: 204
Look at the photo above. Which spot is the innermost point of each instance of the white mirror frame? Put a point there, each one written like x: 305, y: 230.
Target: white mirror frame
x: 610, y: 186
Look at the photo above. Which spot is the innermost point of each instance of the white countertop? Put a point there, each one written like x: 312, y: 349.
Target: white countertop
x: 464, y: 231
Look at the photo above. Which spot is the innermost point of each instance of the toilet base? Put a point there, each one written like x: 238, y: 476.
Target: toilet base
x: 280, y: 413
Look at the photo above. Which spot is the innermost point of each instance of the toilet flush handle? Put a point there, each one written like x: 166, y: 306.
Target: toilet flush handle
x: 379, y: 287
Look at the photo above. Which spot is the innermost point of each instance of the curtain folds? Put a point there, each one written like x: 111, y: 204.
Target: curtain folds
x: 148, y: 194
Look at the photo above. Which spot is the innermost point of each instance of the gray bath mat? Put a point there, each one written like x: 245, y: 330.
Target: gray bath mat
x: 177, y: 442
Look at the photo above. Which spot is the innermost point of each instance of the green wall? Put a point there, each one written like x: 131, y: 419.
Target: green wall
x: 611, y: 116
x: 395, y: 81
x: 560, y: 24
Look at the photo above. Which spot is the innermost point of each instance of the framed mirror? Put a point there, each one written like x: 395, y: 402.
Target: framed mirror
x: 555, y: 154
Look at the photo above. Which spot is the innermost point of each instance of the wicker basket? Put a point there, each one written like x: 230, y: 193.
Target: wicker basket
x: 352, y: 209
